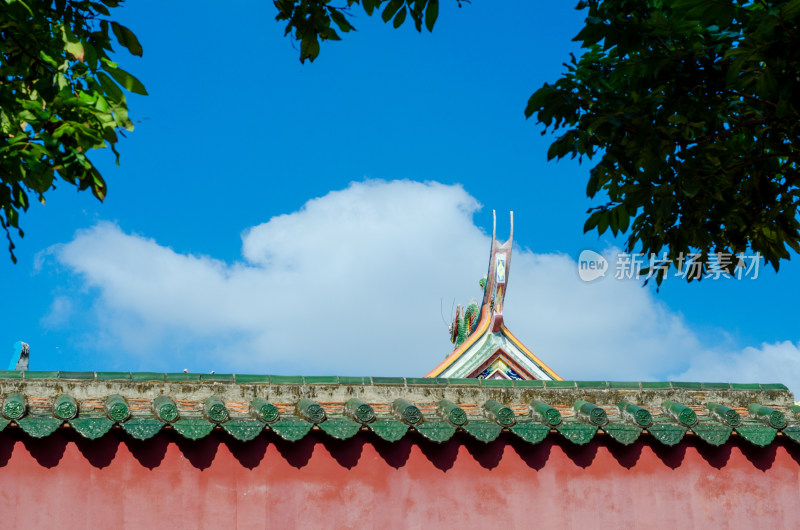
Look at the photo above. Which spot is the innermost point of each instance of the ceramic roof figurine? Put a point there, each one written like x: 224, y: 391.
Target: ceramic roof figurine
x: 485, y: 348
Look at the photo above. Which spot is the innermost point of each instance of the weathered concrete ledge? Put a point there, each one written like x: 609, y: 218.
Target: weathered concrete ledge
x: 329, y: 389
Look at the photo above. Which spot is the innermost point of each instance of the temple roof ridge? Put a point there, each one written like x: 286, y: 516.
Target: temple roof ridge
x: 484, y: 347
x: 141, y: 404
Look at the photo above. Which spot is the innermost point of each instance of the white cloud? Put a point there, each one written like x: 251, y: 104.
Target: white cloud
x: 61, y: 310
x: 353, y: 283
x: 769, y: 363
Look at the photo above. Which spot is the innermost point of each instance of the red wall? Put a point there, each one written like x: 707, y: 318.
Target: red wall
x: 169, y: 482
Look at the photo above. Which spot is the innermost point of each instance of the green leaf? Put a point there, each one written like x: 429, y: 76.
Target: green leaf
x: 100, y: 8
x: 46, y: 58
x: 126, y: 80
x: 98, y: 185
x: 329, y: 34
x: 400, y: 18
x: 391, y: 9
x: 431, y: 14
x: 370, y: 5
x: 127, y: 38
x: 624, y: 218
x: 592, y: 221
x: 110, y: 87
x: 309, y: 48
x: 341, y: 21
x: 27, y: 8
x: 602, y: 221
x: 72, y: 44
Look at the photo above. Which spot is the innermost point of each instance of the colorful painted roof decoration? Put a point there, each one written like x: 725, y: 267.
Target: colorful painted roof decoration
x: 485, y: 348
x: 244, y: 406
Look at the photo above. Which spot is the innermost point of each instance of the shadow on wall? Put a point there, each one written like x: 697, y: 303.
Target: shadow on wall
x: 100, y: 453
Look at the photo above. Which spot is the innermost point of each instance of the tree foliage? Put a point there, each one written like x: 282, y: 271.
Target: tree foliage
x: 61, y: 94
x: 60, y: 97
x: 312, y: 21
x: 691, y: 111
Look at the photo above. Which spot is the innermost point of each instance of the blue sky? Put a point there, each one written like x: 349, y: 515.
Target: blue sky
x: 282, y: 218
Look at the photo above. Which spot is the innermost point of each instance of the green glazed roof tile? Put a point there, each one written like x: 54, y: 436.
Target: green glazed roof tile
x: 532, y: 433
x: 165, y: 409
x: 39, y: 427
x: 215, y: 411
x: 633, y: 414
x: 483, y: 431
x: 286, y: 379
x: 774, y: 418
x: 37, y: 374
x: 623, y: 433
x: 148, y: 376
x: 65, y: 407
x: 406, y: 411
x: 716, y: 386
x: 506, y: 383
x: 359, y: 411
x: 76, y: 375
x: 624, y: 384
x: 463, y: 381
x: 687, y: 385
x: 437, y: 431
x: 388, y: 381
x: 10, y: 374
x: 243, y: 430
x: 224, y: 378
x: 667, y: 433
x: 746, y: 386
x: 591, y: 384
x: 242, y: 425
x: 713, y: 434
x: 774, y: 386
x: 389, y: 430
x: 586, y: 412
x: 250, y: 378
x: 91, y: 428
x: 344, y: 380
x: 679, y: 412
x: 559, y: 384
x: 193, y: 429
x: 113, y: 376
x: 544, y: 413
x: 116, y: 408
x: 655, y: 384
x: 310, y: 411
x: 340, y: 428
x: 577, y: 433
x: 291, y: 430
x: 321, y: 380
x: 723, y: 414
x: 142, y: 428
x: 760, y: 435
x: 792, y: 432
x: 499, y: 413
x: 181, y: 376
x: 533, y: 383
x: 427, y: 381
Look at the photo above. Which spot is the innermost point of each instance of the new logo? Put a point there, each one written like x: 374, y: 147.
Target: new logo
x: 591, y: 265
